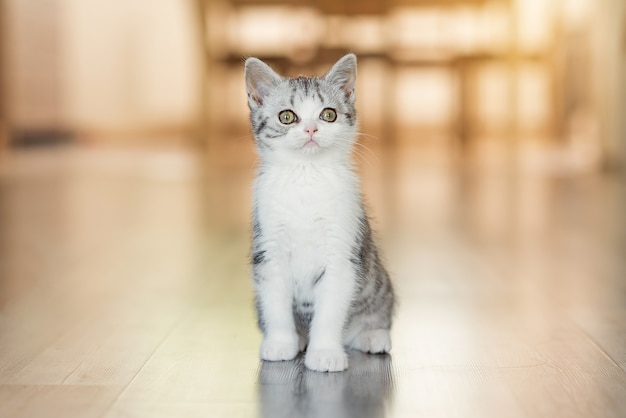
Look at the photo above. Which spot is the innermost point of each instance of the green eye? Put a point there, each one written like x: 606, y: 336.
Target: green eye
x: 328, y: 115
x: 287, y: 117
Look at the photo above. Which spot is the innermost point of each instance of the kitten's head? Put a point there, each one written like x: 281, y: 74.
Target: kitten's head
x: 302, y: 117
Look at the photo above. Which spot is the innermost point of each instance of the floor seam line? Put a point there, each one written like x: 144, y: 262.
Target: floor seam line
x: 130, y: 382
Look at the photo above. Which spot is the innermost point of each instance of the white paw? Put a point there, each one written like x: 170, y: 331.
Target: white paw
x: 278, y: 349
x: 373, y: 341
x: 326, y: 360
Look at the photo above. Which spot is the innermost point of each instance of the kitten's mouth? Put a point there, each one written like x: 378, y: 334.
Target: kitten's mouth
x: 311, y: 143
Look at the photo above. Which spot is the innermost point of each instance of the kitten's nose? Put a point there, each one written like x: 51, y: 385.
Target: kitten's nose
x: 311, y: 129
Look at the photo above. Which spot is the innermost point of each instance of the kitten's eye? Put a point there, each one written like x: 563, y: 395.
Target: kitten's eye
x: 287, y: 117
x: 328, y: 115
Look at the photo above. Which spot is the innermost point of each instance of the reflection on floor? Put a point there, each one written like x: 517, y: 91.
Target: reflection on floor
x: 124, y: 291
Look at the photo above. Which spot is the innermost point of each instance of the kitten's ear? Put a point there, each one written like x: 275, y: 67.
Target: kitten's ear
x: 343, y: 75
x: 260, y: 79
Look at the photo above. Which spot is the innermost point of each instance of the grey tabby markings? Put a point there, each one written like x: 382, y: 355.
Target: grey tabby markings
x: 319, y: 276
x: 258, y: 255
x: 300, y: 88
x: 374, y: 294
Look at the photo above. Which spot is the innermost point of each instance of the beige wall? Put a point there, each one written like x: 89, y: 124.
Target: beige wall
x: 32, y: 58
x: 102, y: 65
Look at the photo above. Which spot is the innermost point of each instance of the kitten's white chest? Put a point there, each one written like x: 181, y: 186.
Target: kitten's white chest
x: 305, y: 213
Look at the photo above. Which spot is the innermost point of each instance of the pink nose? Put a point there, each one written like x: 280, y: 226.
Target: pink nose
x: 310, y: 130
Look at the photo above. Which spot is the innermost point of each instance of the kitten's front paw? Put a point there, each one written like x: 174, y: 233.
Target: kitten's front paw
x: 373, y: 341
x: 326, y: 360
x: 278, y: 349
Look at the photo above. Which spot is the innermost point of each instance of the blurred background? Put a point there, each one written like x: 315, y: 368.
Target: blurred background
x: 542, y: 79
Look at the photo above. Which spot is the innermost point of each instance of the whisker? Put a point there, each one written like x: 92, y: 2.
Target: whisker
x: 367, y: 136
x: 368, y: 150
x: 362, y: 157
x: 358, y: 153
x: 254, y: 163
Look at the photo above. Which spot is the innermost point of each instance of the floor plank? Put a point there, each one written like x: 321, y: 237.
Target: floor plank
x: 607, y: 330
x: 50, y: 401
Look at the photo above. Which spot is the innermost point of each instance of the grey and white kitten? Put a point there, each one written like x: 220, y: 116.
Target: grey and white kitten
x: 319, y: 280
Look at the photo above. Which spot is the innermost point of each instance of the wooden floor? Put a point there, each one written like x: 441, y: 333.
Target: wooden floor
x: 124, y: 292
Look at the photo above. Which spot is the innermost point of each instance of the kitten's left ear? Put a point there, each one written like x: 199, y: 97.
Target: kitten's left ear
x: 343, y: 75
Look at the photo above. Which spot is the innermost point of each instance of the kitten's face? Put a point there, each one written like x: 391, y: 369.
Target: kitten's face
x: 302, y: 117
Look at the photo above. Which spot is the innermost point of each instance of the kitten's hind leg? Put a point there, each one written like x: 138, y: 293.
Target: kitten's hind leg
x: 369, y: 334
x: 375, y: 341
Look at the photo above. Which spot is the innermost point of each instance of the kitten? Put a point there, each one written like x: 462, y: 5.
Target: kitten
x: 318, y: 277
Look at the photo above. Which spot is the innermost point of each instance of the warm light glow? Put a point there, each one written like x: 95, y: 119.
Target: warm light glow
x: 275, y: 30
x: 493, y: 91
x: 534, y: 99
x: 533, y: 21
x: 576, y: 13
x: 425, y: 97
x: 360, y: 33
x: 494, y: 27
x: 412, y: 29
x: 463, y: 28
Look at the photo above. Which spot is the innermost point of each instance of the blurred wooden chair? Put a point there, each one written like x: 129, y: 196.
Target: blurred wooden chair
x: 462, y: 64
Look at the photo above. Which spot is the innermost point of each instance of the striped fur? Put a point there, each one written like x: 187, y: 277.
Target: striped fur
x: 317, y: 271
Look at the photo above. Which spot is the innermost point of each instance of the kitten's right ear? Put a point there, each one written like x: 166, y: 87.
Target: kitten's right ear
x: 260, y: 79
